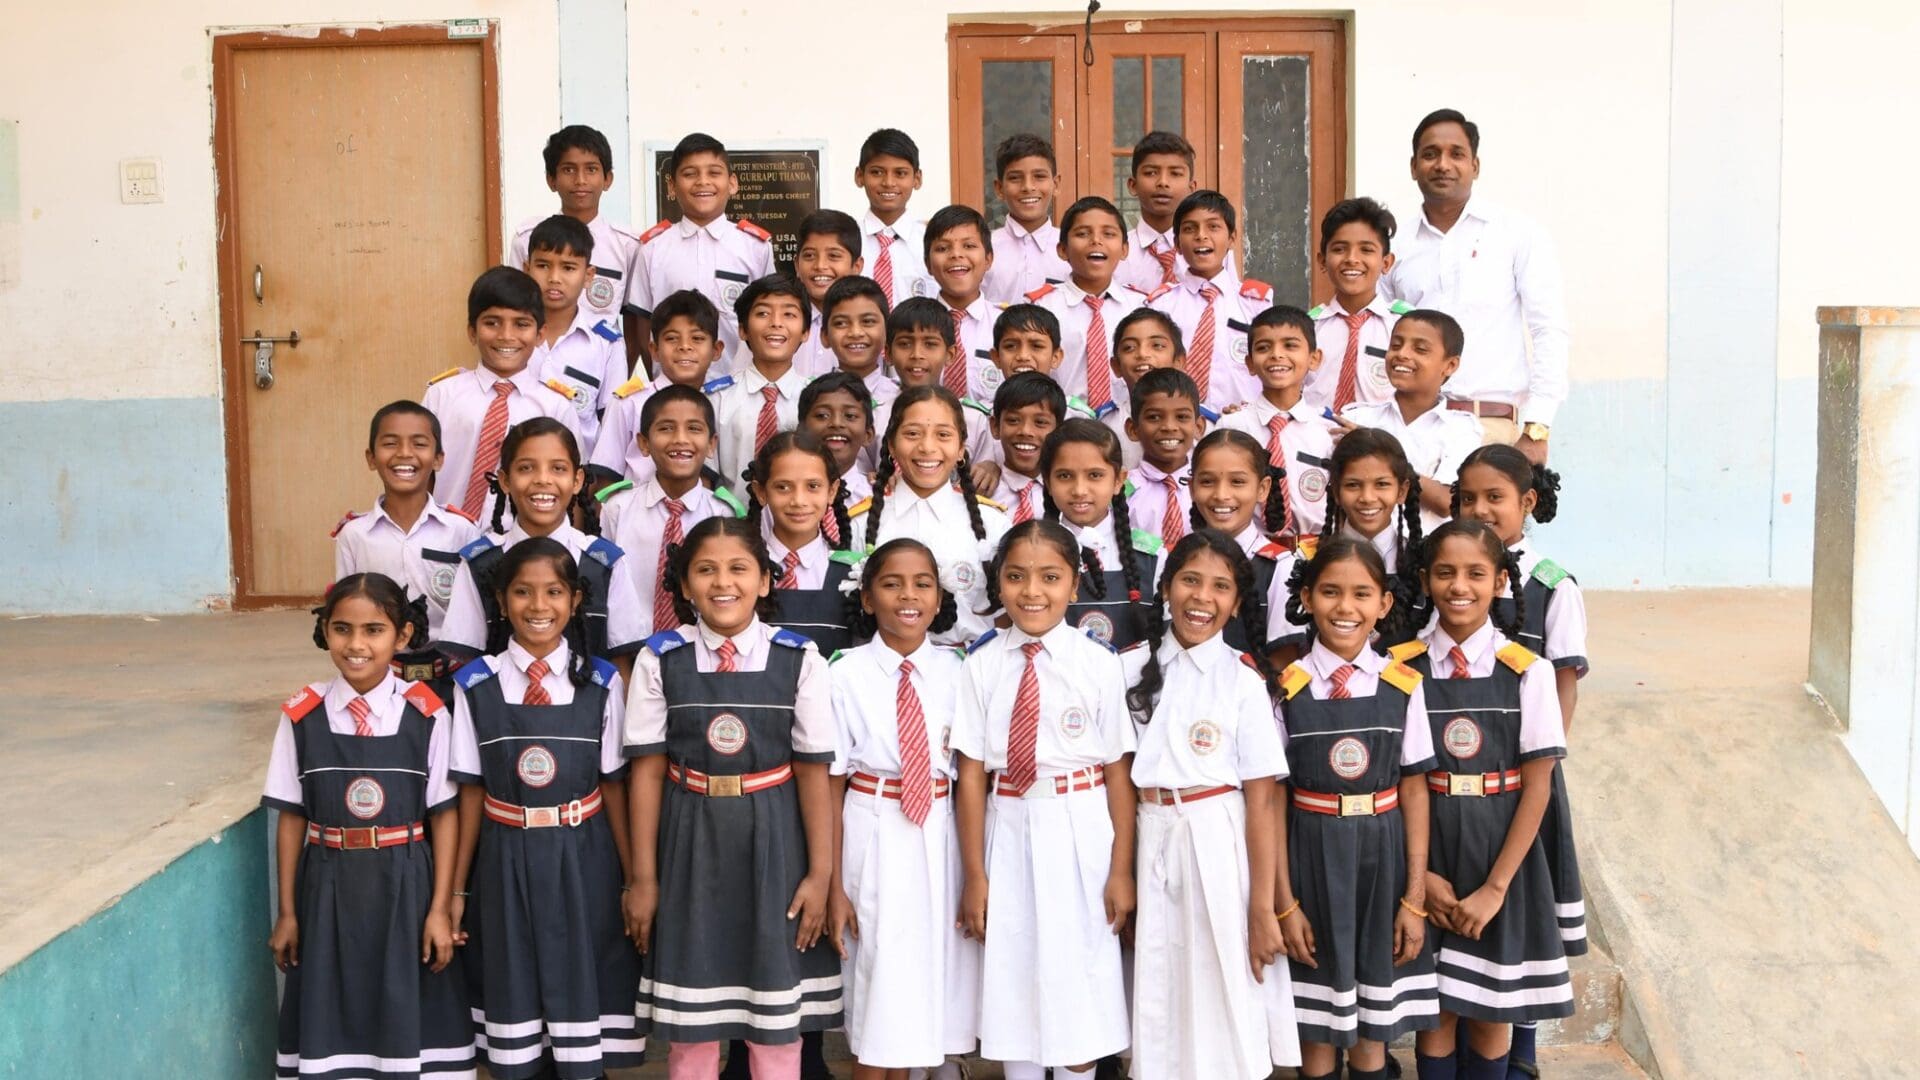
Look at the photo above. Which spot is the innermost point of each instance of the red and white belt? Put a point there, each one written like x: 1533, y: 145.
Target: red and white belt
x: 1365, y: 804
x: 363, y: 839
x: 727, y: 787
x: 888, y: 788
x: 1474, y: 785
x: 1047, y: 787
x: 570, y: 814
x: 1159, y: 796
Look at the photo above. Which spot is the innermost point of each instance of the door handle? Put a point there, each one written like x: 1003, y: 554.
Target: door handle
x: 263, y: 355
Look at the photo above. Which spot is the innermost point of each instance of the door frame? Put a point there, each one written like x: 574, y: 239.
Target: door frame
x: 235, y: 377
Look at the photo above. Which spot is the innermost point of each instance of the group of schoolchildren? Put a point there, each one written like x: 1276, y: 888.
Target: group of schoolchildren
x: 1028, y: 642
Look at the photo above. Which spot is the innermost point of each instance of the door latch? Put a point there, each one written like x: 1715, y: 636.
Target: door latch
x: 263, y: 355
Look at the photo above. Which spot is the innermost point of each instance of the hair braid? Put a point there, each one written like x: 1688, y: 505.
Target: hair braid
x: 1145, y: 693
x: 963, y: 475
x: 882, y: 480
x: 843, y: 525
x: 587, y: 509
x: 1123, y: 540
x: 1517, y: 585
x: 1093, y: 574
x: 499, y: 502
x: 579, y: 662
x: 1278, y: 518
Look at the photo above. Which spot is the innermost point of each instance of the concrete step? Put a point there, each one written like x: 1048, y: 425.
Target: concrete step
x: 1597, y: 1000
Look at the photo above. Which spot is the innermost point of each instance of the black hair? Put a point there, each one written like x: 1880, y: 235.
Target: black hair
x: 1146, y: 692
x: 1038, y: 530
x: 697, y: 143
x: 890, y: 142
x: 949, y: 218
x: 561, y: 235
x: 1093, y: 433
x: 852, y: 287
x: 1160, y: 142
x: 962, y: 474
x: 577, y: 137
x: 667, y: 395
x: 1399, y: 624
x: 760, y: 470
x: 918, y: 313
x: 579, y: 662
x: 1525, y: 475
x: 1087, y: 204
x: 585, y: 507
x: 1026, y: 317
x: 774, y: 284
x: 835, y: 225
x: 680, y: 556
x: 1448, y: 116
x: 1030, y: 388
x: 1452, y: 339
x: 1147, y: 314
x: 863, y: 624
x: 504, y: 287
x: 1170, y: 381
x: 1479, y: 532
x: 1207, y: 199
x: 409, y: 624
x: 1364, y: 443
x: 1014, y: 147
x: 404, y: 408
x: 688, y: 304
x: 1368, y: 212
x: 1286, y: 315
x: 844, y: 382
x: 1256, y: 453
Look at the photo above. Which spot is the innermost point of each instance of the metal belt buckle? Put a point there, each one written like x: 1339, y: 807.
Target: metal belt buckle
x: 724, y: 787
x: 1466, y: 784
x: 573, y: 814
x: 540, y: 817
x: 1356, y: 805
x: 417, y: 672
x: 359, y: 839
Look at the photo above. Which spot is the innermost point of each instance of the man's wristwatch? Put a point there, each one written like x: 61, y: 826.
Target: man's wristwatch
x: 1535, y: 431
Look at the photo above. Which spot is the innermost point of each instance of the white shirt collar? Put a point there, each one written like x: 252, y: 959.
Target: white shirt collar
x: 812, y: 553
x: 1323, y: 661
x: 565, y: 533
x: 340, y: 692
x: 889, y: 660
x: 742, y: 641
x: 789, y: 383
x: 1077, y: 296
x: 522, y: 659
x: 870, y: 223
x: 1206, y: 656
x: 716, y: 228
x: 1052, y: 642
x: 1250, y: 538
x: 1476, y: 647
x: 1145, y: 235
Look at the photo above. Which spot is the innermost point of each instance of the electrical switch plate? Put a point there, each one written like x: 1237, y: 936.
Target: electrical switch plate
x: 140, y: 180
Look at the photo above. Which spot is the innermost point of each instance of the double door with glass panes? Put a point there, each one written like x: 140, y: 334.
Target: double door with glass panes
x: 1262, y: 100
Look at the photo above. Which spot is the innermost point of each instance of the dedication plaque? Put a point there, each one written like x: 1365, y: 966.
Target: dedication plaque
x: 778, y: 187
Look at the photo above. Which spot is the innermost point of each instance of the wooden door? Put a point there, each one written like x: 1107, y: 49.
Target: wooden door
x: 1010, y: 84
x: 1140, y: 83
x: 359, y: 180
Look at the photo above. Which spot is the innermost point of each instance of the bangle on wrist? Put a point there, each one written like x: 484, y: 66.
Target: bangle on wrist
x: 1282, y: 916
x: 1416, y: 911
x: 462, y: 893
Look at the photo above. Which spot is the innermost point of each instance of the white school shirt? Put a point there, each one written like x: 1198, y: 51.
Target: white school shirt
x: 387, y: 702
x: 866, y: 685
x: 1115, y: 416
x: 1386, y: 541
x: 1010, y: 491
x: 1279, y: 630
x: 1103, y: 540
x: 1213, y: 723
x: 814, y: 737
x: 858, y: 484
x: 1436, y: 441
x: 814, y: 359
x: 614, y: 448
x: 815, y: 555
x: 1566, y: 631
x: 1369, y: 367
x: 510, y: 669
x: 588, y: 363
x: 1083, y: 708
x: 1320, y: 662
x: 627, y: 617
x: 941, y: 522
x: 1141, y: 270
x: 975, y: 342
x: 1147, y: 506
x: 737, y: 400
x: 1023, y: 261
x: 1541, y: 733
x: 425, y: 559
x: 1307, y: 442
x: 1068, y: 302
x: 636, y: 520
x: 882, y: 388
x: 1499, y: 275
x: 1228, y: 379
x: 907, y: 254
x: 613, y: 247
x: 460, y: 400
x: 717, y: 259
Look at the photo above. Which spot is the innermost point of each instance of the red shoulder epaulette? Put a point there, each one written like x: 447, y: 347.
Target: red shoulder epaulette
x: 663, y: 226
x: 342, y: 523
x: 459, y: 513
x: 1139, y: 290
x: 1036, y: 295
x: 1256, y: 290
x: 1272, y: 549
x: 1164, y: 288
x: 754, y: 231
x: 1252, y: 664
x: 422, y: 697
x: 301, y: 703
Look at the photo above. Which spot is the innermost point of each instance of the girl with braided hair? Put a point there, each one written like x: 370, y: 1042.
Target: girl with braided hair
x: 795, y: 497
x: 1085, y: 490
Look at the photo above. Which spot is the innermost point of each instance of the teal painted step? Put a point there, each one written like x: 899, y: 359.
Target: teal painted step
x: 172, y: 980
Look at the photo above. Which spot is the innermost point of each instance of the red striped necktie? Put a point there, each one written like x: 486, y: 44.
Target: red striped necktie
x: 1200, y: 354
x: 1023, y: 733
x: 1460, y: 668
x: 916, y: 772
x: 486, y: 453
x: 1348, y: 387
x: 1339, y: 678
x: 537, y: 673
x: 360, y: 710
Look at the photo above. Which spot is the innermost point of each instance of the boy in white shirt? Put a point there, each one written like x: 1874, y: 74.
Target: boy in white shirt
x: 1025, y: 246
x: 890, y: 243
x: 1424, y: 351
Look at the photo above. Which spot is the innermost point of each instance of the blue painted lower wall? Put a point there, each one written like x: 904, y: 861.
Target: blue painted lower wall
x: 173, y: 980
x: 113, y: 506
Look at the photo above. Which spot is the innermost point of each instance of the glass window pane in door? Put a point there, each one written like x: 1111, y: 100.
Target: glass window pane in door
x: 1169, y: 94
x: 1277, y: 197
x: 1016, y: 97
x: 1122, y: 198
x: 1129, y: 100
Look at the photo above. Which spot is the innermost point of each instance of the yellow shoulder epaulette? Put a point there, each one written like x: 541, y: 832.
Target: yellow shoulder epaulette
x: 1306, y: 546
x: 447, y: 374
x: 1401, y: 676
x: 630, y: 387
x: 1407, y: 650
x: 984, y: 501
x: 1517, y: 656
x: 860, y: 507
x: 1294, y: 679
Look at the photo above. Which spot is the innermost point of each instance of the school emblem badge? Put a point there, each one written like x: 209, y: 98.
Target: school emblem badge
x: 536, y: 766
x: 963, y: 575
x: 1377, y: 375
x: 727, y: 734
x: 1239, y: 347
x: 1461, y: 737
x: 923, y: 287
x: 600, y: 293
x: 440, y: 582
x: 1203, y: 737
x: 365, y: 798
x: 1313, y: 484
x: 1348, y: 758
x: 991, y: 378
x: 1099, y: 625
x: 1073, y: 721
x: 946, y: 741
x: 730, y: 295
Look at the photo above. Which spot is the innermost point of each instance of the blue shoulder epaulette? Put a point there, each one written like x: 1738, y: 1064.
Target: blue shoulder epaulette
x: 1098, y: 640
x: 604, y: 551
x: 714, y: 386
x: 981, y: 640
x: 1209, y: 415
x: 474, y: 673
x: 611, y: 333
x: 480, y: 546
x: 784, y: 636
x: 603, y: 672
x: 665, y: 642
x: 1106, y: 410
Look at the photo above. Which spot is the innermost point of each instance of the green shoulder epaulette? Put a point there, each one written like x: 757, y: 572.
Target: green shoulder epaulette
x: 1549, y: 573
x: 985, y: 410
x: 1317, y: 311
x: 1147, y: 542
x: 850, y: 556
x: 611, y: 490
x: 733, y: 501
x: 1128, y: 489
x: 837, y: 654
x: 1075, y: 404
x: 1399, y: 307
